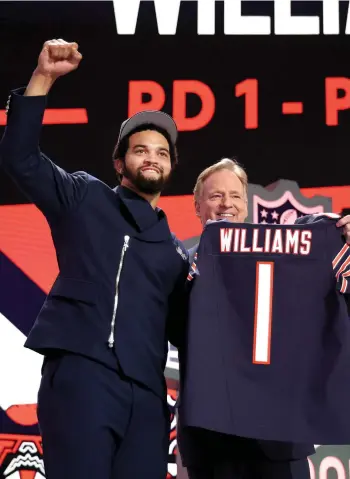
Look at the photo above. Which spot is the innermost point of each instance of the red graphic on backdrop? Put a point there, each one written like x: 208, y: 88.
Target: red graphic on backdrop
x: 292, y: 108
x: 23, y: 414
x: 57, y: 116
x: 336, y: 97
x: 21, y: 456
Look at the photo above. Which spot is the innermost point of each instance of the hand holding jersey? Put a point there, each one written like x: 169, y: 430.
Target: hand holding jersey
x: 344, y: 223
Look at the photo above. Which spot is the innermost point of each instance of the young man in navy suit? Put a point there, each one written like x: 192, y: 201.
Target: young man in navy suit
x: 221, y: 194
x: 105, y: 325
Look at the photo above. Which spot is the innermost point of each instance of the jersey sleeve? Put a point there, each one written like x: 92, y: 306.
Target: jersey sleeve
x: 341, y: 256
x: 341, y: 268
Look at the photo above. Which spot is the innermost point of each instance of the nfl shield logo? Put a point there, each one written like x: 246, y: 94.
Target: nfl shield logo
x: 282, y: 203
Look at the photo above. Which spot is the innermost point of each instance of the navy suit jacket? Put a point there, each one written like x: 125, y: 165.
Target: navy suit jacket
x: 191, y: 445
x: 121, y: 271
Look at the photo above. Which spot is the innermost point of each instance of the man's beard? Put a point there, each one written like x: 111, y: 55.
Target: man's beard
x: 148, y: 186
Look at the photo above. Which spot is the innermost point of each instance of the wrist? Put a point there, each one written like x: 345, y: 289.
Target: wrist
x: 39, y: 84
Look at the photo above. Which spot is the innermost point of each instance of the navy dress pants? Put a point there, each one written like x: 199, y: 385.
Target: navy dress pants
x: 95, y: 424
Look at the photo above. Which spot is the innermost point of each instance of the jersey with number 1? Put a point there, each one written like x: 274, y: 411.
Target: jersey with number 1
x: 268, y: 327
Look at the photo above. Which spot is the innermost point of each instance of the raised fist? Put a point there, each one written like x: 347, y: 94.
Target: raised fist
x: 58, y: 58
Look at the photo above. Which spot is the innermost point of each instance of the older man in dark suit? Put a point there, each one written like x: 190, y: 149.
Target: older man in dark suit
x: 221, y: 194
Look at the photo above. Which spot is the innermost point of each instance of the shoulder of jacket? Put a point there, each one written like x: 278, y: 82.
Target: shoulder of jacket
x: 91, y: 180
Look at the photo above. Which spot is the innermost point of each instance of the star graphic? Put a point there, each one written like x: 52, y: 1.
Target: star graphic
x: 275, y: 215
x: 264, y: 214
x: 263, y: 222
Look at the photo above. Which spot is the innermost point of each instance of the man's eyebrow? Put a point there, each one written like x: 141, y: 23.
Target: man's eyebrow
x: 217, y: 190
x: 235, y: 192
x: 139, y: 146
x: 164, y: 148
x: 145, y: 146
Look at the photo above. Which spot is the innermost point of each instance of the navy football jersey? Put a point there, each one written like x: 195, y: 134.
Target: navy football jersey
x: 269, y: 333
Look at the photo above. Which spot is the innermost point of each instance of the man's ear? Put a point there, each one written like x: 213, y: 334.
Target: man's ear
x: 197, y: 208
x: 118, y: 166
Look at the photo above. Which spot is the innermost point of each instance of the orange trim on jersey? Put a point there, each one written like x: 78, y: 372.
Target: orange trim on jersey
x: 340, y: 255
x: 344, y: 285
x: 270, y: 307
x: 343, y: 267
x: 272, y: 264
x: 256, y: 309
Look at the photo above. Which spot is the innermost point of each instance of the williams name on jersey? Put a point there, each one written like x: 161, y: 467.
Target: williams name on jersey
x: 268, y: 240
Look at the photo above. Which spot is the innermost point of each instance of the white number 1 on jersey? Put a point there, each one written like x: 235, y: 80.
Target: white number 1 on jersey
x: 263, y: 312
